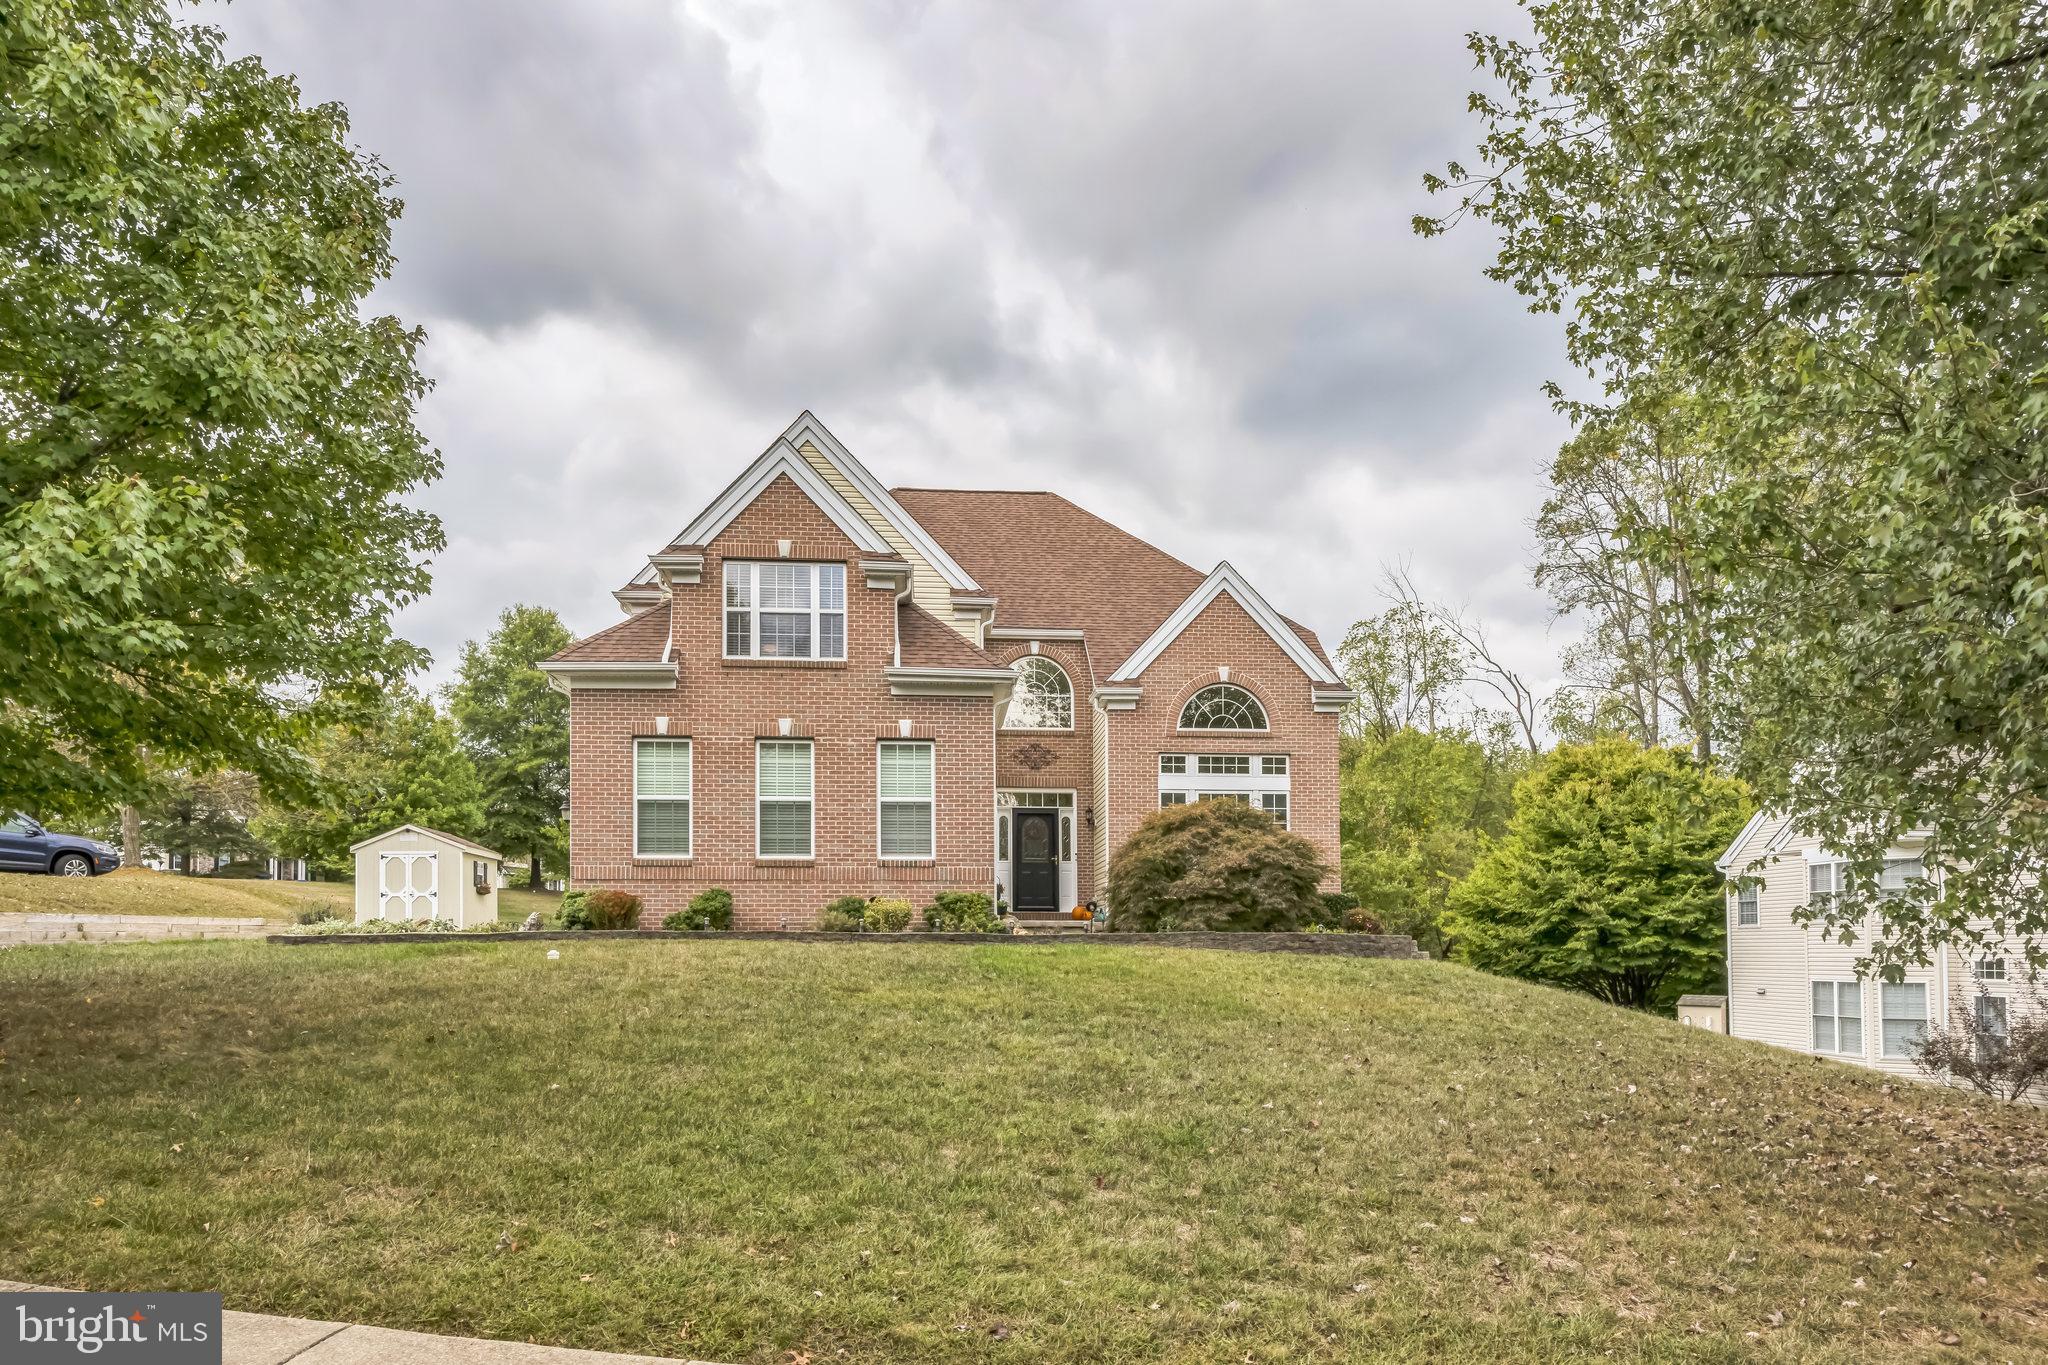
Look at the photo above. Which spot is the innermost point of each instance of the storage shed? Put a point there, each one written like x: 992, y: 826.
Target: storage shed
x: 1709, y: 1012
x: 416, y: 873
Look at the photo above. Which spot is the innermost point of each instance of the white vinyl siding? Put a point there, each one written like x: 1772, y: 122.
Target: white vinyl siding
x: 784, y: 809
x: 905, y: 787
x: 1904, y: 1016
x: 1838, y: 1017
x: 782, y: 610
x: 661, y: 798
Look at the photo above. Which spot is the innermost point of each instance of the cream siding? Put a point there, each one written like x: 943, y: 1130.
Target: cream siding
x: 1773, y: 964
x: 927, y: 587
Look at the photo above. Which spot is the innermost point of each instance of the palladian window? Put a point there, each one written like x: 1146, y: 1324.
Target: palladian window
x: 1043, y: 698
x: 1223, y: 707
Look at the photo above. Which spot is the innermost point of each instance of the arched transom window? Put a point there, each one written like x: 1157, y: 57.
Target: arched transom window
x: 1223, y: 707
x: 1043, y: 698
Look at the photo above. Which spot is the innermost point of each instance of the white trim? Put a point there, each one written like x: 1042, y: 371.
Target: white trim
x: 1117, y: 698
x: 596, y: 676
x: 638, y: 598
x: 690, y: 799
x: 809, y: 427
x: 1726, y: 861
x: 759, y: 856
x: 1033, y: 633
x: 677, y: 567
x: 1257, y: 701
x: 1073, y: 699
x: 1330, y: 701
x: 754, y: 609
x: 931, y: 802
x: 781, y: 458
x: 1226, y: 579
x: 908, y: 681
x: 426, y: 833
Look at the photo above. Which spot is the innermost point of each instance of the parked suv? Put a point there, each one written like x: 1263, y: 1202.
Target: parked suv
x: 25, y: 846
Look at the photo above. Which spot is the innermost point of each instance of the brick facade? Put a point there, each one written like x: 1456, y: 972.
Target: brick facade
x: 1225, y: 636
x: 1104, y: 582
x: 724, y: 705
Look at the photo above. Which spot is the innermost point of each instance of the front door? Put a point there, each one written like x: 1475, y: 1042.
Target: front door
x: 1035, y: 859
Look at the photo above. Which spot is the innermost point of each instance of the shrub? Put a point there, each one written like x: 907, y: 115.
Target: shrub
x: 887, y: 916
x: 1360, y: 921
x: 1213, y: 865
x: 961, y: 912
x: 609, y: 909
x: 1331, y: 907
x: 313, y: 914
x: 709, y: 909
x: 843, y: 916
x: 573, y: 914
x: 2002, y: 1054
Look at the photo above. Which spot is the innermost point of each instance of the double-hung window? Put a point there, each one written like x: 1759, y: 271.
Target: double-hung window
x: 1746, y: 904
x: 1838, y: 1017
x: 1898, y: 874
x: 1823, y: 883
x: 776, y: 609
x: 1993, y: 1028
x: 1904, y: 1006
x: 661, y: 798
x: 906, y: 784
x: 783, y: 805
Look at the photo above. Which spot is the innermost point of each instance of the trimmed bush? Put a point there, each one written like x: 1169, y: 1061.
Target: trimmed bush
x: 609, y: 909
x: 1214, y: 865
x: 710, y: 908
x: 1363, y: 921
x: 961, y: 912
x: 573, y: 915
x: 843, y: 916
x: 887, y: 916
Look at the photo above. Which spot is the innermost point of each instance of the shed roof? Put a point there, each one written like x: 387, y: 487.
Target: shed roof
x: 470, y: 845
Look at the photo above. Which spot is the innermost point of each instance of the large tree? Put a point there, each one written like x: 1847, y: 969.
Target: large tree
x: 194, y: 813
x: 516, y: 730
x: 1605, y: 880
x: 403, y: 764
x: 204, y: 435
x: 1826, y: 223
x: 1415, y: 810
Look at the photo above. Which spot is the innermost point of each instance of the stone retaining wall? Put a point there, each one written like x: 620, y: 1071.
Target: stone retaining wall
x: 1324, y: 945
x: 16, y: 929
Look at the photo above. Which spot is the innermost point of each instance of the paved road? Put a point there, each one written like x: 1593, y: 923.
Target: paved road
x: 261, y: 1339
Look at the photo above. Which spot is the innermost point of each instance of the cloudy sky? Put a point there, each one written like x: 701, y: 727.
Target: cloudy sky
x: 1153, y: 256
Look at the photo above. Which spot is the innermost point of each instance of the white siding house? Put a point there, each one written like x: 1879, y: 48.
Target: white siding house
x: 1792, y: 985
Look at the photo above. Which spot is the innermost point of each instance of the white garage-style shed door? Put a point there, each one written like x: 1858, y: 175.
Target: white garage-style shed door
x: 408, y: 886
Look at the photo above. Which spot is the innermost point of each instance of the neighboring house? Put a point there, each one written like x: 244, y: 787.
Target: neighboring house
x: 826, y: 688
x: 204, y: 864
x: 416, y: 873
x: 1793, y: 985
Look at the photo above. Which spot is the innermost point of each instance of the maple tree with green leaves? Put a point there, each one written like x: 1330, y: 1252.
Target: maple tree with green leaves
x: 205, y: 438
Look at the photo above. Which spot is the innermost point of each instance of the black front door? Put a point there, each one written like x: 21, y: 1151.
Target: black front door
x: 1035, y: 859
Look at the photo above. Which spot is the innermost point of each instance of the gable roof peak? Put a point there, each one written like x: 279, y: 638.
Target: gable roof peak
x: 1225, y: 578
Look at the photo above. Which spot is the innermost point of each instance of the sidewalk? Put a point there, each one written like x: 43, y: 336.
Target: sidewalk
x: 261, y: 1339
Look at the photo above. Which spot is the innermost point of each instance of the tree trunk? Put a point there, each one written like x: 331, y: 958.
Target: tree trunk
x: 131, y: 837
x: 533, y: 878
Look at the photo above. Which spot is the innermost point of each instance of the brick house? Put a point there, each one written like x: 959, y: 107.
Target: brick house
x: 824, y: 687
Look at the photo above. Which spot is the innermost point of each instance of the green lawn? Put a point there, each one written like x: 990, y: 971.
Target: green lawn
x: 1000, y: 1152
x: 130, y: 892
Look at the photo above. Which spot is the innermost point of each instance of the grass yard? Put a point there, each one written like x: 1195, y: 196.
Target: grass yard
x: 133, y: 891
x: 767, y: 1152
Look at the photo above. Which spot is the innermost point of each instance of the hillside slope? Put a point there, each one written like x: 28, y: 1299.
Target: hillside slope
x: 138, y: 891
x: 753, y: 1151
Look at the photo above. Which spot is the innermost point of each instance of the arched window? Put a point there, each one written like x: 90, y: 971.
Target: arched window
x: 1223, y: 707
x: 1043, y: 698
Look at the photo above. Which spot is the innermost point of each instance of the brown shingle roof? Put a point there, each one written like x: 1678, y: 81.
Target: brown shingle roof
x: 929, y: 643
x: 639, y: 638
x: 1057, y: 566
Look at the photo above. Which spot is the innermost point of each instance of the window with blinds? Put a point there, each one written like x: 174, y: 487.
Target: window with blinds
x: 1904, y: 1006
x: 783, y: 804
x: 661, y: 798
x: 784, y: 610
x: 905, y: 787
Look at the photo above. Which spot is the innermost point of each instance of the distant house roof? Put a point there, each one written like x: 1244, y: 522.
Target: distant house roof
x: 1704, y: 1001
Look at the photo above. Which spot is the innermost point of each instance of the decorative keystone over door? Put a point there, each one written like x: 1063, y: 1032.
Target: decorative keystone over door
x: 1035, y: 756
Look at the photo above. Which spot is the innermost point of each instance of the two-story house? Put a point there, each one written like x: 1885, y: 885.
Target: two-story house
x: 1794, y: 984
x: 825, y: 687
